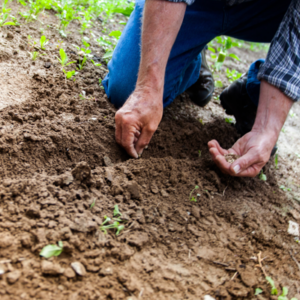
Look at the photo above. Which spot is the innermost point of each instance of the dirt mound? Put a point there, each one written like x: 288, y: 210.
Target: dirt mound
x: 63, y: 173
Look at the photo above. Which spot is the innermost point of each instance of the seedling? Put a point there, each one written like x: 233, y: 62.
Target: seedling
x: 115, y: 225
x: 93, y: 204
x: 276, y: 161
x: 43, y: 41
x: 82, y: 63
x: 34, y: 55
x: 193, y: 199
x: 69, y: 74
x: 262, y: 176
x: 116, y: 211
x: 258, y: 291
x: 4, y: 16
x: 273, y: 287
x: 96, y: 64
x: 64, y: 58
x: 52, y: 250
x: 285, y: 189
x: 199, y: 153
x: 229, y: 120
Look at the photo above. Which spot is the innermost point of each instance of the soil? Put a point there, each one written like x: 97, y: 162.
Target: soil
x: 62, y: 173
x: 231, y: 158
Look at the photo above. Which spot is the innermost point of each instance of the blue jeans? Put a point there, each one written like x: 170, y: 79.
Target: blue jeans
x: 255, y: 21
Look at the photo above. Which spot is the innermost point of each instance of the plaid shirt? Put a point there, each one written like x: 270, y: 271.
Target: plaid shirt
x: 282, y: 66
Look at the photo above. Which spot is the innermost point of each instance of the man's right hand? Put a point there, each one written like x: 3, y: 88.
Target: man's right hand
x: 137, y: 120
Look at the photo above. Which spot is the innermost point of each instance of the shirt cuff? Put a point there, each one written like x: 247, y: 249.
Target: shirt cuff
x: 188, y: 2
x: 286, y: 80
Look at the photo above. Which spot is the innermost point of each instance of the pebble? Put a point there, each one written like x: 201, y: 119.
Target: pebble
x: 13, y: 276
x: 50, y: 268
x: 6, y: 239
x: 293, y: 228
x: 107, y: 161
x: 2, y: 269
x: 208, y: 297
x: 69, y: 273
x: 78, y: 268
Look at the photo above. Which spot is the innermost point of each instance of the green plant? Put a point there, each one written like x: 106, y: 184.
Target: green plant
x: 258, y: 291
x: 82, y: 63
x: 262, y: 176
x: 52, y: 250
x: 34, y: 55
x: 193, y: 199
x: 43, y: 42
x: 64, y: 58
x: 285, y: 189
x: 229, y: 120
x: 69, y: 74
x: 233, y: 75
x: 272, y: 284
x: 276, y: 161
x: 116, y: 211
x: 116, y: 225
x: 93, y: 204
x: 4, y: 16
x: 96, y: 64
x: 199, y: 153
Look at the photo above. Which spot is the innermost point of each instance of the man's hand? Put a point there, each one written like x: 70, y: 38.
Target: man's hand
x: 254, y: 150
x: 256, y: 146
x: 137, y: 121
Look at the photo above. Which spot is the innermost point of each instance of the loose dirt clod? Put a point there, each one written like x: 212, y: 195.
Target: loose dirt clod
x: 231, y: 158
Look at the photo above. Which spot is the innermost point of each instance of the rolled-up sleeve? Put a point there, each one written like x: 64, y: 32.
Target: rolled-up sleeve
x: 188, y: 2
x: 282, y: 66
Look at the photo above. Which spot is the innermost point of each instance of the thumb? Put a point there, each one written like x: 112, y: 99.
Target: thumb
x: 143, y: 141
x: 243, y: 166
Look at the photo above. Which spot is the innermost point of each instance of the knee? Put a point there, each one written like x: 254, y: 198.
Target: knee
x: 118, y: 87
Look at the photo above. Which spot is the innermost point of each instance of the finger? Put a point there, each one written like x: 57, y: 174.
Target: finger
x: 222, y: 164
x: 143, y: 140
x: 128, y: 142
x: 216, y: 145
x: 248, y: 165
x: 137, y: 134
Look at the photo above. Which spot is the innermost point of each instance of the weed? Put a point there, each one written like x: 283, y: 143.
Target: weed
x: 276, y: 161
x: 285, y: 189
x: 262, y: 176
x: 116, y: 211
x: 193, y: 199
x: 52, y: 250
x: 229, y: 120
x: 64, y: 58
x: 69, y: 74
x: 93, y: 204
x: 43, y: 42
x: 34, y: 55
x: 5, y: 16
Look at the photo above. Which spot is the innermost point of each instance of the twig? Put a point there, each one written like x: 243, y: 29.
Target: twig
x: 294, y: 259
x: 234, y: 275
x: 225, y: 190
x: 260, y: 264
x: 221, y: 264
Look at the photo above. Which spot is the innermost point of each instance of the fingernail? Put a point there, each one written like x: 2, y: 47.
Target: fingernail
x: 237, y: 169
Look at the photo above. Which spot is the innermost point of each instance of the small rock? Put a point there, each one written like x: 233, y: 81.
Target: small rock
x: 47, y: 65
x: 154, y: 189
x: 82, y: 171
x: 195, y: 211
x: 2, y: 269
x: 208, y: 297
x: 107, y: 161
x: 78, y: 268
x: 138, y: 239
x: 164, y: 193
x: 133, y: 189
x: 50, y: 268
x: 13, y: 276
x: 6, y: 239
x: 293, y: 228
x: 69, y: 273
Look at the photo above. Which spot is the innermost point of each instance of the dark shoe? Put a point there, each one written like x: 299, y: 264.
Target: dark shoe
x: 201, y: 92
x: 236, y: 102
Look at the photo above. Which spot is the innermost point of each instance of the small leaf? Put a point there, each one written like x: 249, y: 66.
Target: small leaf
x: 212, y: 49
x: 218, y: 84
x: 234, y: 56
x: 60, y: 244
x: 258, y: 291
x: 116, y: 211
x: 51, y: 250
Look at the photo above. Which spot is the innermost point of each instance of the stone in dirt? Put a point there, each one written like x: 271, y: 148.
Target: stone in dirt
x: 6, y: 239
x: 107, y: 161
x: 50, y: 268
x: 13, y: 276
x: 82, y: 171
x: 208, y: 297
x: 133, y: 189
x: 248, y: 276
x: 138, y: 239
x: 293, y: 228
x: 78, y: 268
x: 2, y: 269
x: 69, y: 273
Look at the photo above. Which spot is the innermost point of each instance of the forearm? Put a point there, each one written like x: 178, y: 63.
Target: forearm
x: 161, y: 23
x: 272, y: 111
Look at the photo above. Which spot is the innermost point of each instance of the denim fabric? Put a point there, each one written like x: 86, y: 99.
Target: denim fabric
x: 255, y: 21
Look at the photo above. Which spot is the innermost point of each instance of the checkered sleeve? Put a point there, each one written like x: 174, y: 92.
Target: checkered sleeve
x: 282, y: 66
x: 188, y: 2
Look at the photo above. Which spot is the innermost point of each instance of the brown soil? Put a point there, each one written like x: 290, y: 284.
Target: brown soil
x: 58, y: 156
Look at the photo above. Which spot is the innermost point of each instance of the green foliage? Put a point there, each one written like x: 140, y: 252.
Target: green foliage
x: 276, y: 161
x: 34, y: 55
x: 262, y: 176
x: 273, y: 287
x: 43, y: 42
x: 64, y: 58
x: 233, y: 75
x: 229, y: 120
x: 194, y: 199
x: 5, y: 16
x: 285, y: 189
x: 69, y: 74
x: 52, y: 250
x: 116, y: 211
x: 93, y: 204
x: 258, y: 291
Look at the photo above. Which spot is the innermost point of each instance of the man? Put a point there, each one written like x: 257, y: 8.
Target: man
x: 159, y: 56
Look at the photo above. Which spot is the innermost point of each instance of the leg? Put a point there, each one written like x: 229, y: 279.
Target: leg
x: 184, y: 62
